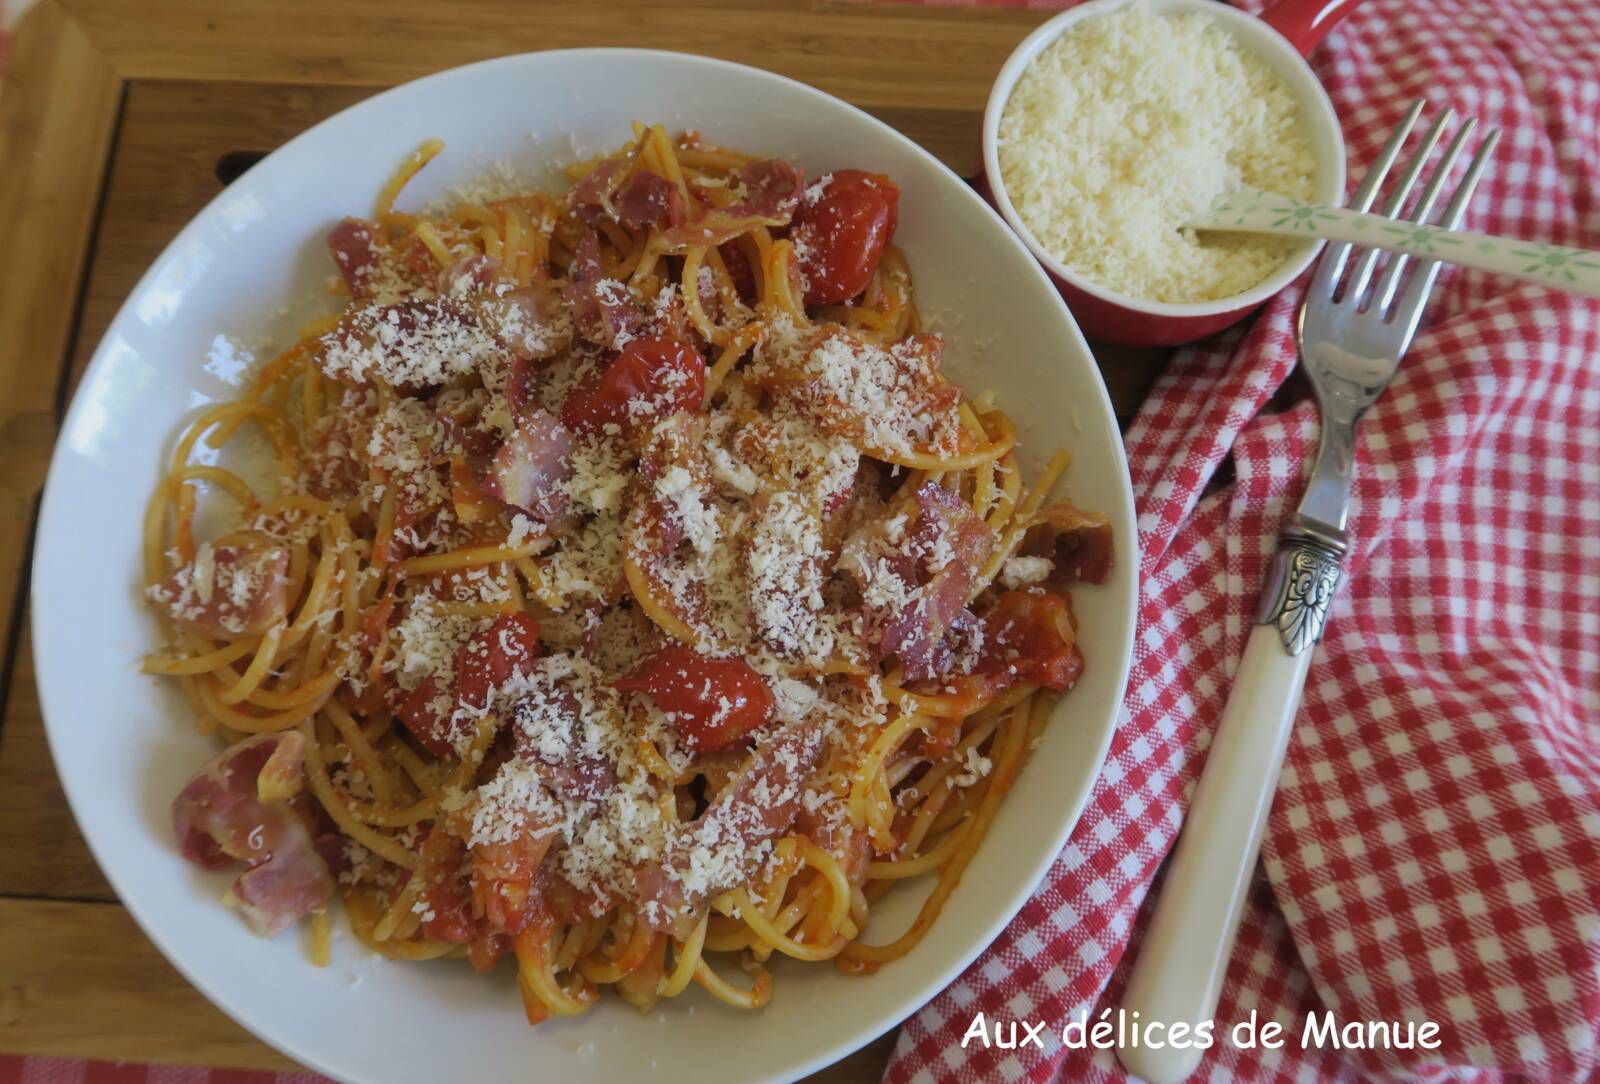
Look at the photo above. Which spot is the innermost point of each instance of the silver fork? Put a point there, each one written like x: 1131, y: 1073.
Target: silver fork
x: 1352, y: 331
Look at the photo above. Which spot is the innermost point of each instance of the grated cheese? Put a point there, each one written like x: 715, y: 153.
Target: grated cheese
x: 846, y: 378
x: 1021, y: 571
x: 1128, y: 126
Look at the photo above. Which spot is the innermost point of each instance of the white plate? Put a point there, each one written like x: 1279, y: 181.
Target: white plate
x: 123, y: 742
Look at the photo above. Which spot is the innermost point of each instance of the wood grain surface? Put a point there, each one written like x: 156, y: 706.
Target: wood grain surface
x: 118, y: 122
x: 872, y: 54
x: 58, y: 109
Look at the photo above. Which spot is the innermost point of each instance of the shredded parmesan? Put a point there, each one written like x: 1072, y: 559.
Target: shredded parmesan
x: 1128, y: 126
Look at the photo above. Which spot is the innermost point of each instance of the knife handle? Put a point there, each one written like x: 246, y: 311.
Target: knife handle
x: 1177, y: 976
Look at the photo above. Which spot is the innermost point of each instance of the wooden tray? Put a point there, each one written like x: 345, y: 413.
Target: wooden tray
x: 118, y: 122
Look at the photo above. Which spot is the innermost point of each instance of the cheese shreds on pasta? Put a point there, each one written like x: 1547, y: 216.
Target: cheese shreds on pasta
x: 618, y: 610
x: 1128, y: 126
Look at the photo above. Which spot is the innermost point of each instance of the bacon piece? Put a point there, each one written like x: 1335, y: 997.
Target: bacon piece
x: 676, y: 444
x: 648, y: 199
x: 866, y: 554
x: 333, y: 467
x: 569, y: 771
x: 886, y: 401
x: 602, y: 308
x: 369, y: 336
x: 355, y: 252
x: 530, y: 323
x: 419, y: 343
x: 1080, y: 546
x: 590, y: 197
x: 227, y: 591
x: 531, y: 466
x: 949, y: 528
x: 468, y: 275
x: 758, y: 805
x: 953, y: 649
x: 655, y: 526
x: 236, y: 808
x: 849, y: 845
x: 522, y: 396
x: 772, y: 189
x: 715, y: 227
x: 459, y: 412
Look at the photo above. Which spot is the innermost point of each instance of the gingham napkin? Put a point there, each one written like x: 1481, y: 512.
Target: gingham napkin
x: 1434, y: 851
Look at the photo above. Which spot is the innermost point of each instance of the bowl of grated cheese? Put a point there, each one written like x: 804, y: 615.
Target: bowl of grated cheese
x: 1118, y: 121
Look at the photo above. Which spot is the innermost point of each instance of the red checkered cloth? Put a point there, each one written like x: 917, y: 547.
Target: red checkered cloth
x: 1434, y: 851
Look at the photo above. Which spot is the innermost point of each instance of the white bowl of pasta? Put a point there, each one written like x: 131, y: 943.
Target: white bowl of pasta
x: 612, y: 583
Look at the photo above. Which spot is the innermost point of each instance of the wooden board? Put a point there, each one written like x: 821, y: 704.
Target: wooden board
x: 58, y: 109
x: 81, y: 980
x: 122, y: 115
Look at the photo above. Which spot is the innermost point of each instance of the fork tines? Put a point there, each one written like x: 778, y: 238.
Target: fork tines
x: 1391, y: 302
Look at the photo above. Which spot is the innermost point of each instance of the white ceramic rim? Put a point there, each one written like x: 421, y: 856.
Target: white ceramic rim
x: 1327, y: 144
x: 49, y: 651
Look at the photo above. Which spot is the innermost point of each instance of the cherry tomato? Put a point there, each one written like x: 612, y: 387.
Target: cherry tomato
x: 506, y: 648
x: 488, y: 660
x: 1030, y: 637
x: 715, y: 702
x: 663, y: 371
x: 842, y: 235
x: 422, y: 711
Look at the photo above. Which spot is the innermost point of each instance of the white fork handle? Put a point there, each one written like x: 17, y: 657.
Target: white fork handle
x: 1177, y: 976
x: 1575, y: 270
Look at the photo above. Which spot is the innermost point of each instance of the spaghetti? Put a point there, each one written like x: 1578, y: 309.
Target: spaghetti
x: 634, y: 597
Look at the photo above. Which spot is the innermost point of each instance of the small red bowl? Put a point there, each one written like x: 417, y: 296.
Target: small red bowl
x: 1281, y: 37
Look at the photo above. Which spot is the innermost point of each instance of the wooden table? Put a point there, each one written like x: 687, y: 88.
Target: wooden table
x: 118, y: 122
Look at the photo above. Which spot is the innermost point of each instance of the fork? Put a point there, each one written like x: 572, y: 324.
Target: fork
x: 1352, y: 333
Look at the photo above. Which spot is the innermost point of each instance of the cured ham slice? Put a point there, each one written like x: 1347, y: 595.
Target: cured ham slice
x: 237, y: 808
x: 719, y: 849
x: 890, y: 400
x: 602, y: 308
x: 916, y: 591
x: 769, y: 189
x: 468, y: 275
x: 227, y: 591
x: 590, y: 197
x: 528, y: 323
x: 531, y: 466
x: 354, y: 248
x: 648, y: 199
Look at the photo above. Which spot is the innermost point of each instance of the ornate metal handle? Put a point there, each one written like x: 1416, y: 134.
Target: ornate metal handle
x: 1300, y: 585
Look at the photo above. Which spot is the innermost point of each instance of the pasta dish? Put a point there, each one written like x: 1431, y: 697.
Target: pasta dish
x: 632, y: 595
